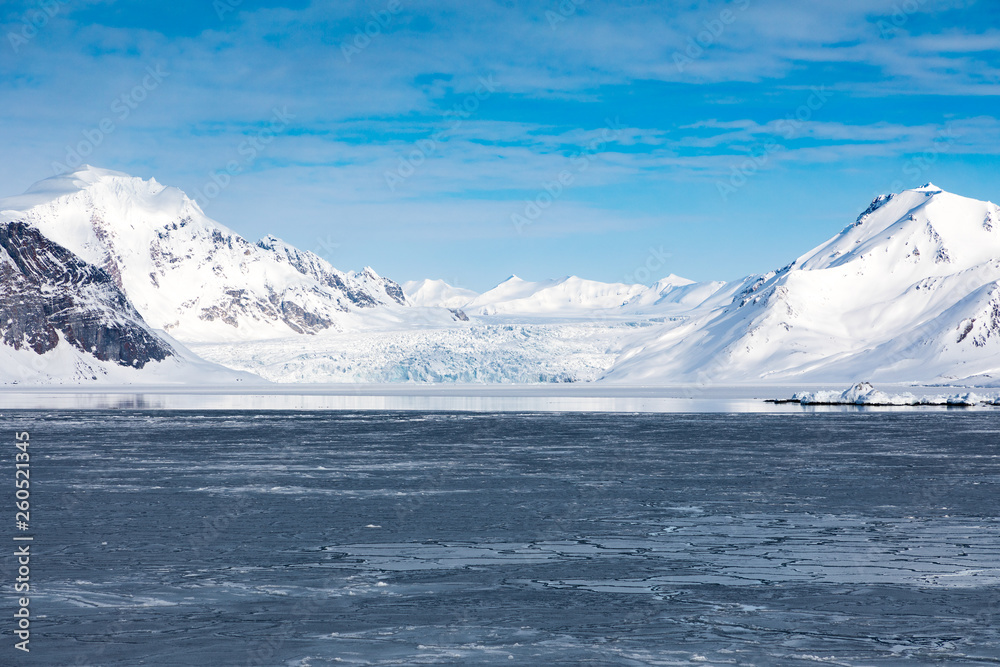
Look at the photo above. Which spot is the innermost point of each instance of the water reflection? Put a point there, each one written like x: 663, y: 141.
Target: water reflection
x: 393, y: 399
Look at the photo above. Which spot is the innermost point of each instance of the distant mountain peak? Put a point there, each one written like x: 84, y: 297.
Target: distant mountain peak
x: 673, y: 279
x: 437, y: 293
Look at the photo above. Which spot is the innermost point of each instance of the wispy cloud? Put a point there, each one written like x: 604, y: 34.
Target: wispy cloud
x: 898, y: 73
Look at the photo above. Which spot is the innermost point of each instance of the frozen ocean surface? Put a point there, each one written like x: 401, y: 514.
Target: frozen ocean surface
x: 314, y: 538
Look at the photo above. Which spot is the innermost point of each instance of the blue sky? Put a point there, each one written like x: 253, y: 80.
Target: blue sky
x: 618, y: 141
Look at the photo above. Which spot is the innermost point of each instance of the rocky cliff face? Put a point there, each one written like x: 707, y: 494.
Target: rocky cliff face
x: 47, y: 294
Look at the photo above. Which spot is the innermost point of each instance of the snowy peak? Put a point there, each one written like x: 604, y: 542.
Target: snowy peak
x: 575, y: 296
x: 105, y: 186
x: 570, y: 296
x: 912, y: 232
x: 378, y: 287
x: 908, y: 289
x: 437, y: 293
x: 186, y: 273
x: 78, y: 180
x: 671, y: 281
x: 90, y: 174
x: 85, y: 209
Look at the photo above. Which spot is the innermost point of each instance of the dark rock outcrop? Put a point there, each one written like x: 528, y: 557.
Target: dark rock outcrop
x: 46, y: 290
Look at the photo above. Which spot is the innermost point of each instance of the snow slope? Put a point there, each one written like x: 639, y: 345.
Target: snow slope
x: 65, y: 364
x: 907, y: 292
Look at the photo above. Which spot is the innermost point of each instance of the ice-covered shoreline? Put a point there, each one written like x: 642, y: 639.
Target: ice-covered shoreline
x: 864, y: 393
x: 582, y: 397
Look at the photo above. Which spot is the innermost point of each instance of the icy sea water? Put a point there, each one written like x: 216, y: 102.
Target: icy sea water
x: 319, y: 538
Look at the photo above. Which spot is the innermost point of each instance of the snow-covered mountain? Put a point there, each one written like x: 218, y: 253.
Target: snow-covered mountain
x: 188, y: 274
x: 437, y: 293
x: 517, y: 296
x: 909, y: 291
x: 96, y: 263
x: 569, y: 297
x: 565, y: 330
x: 65, y: 320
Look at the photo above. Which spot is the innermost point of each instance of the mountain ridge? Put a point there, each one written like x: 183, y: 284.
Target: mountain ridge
x: 906, y: 262
x: 189, y: 274
x: 909, y: 291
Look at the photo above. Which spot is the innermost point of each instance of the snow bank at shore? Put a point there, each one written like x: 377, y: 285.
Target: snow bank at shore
x: 863, y: 393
